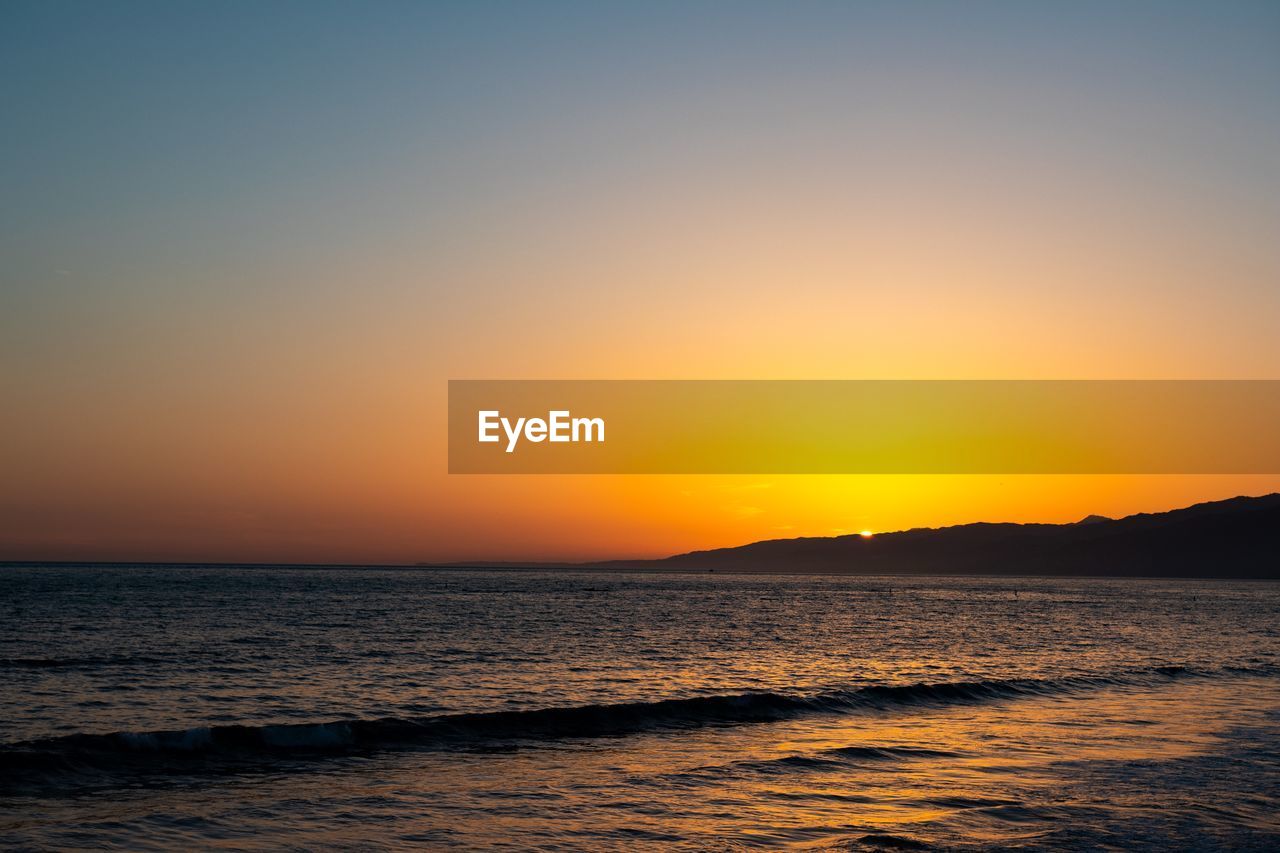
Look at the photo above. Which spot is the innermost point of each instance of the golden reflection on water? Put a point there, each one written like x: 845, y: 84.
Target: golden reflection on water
x: 987, y: 772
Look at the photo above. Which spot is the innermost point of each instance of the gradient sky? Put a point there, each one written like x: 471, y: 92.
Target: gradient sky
x: 244, y: 245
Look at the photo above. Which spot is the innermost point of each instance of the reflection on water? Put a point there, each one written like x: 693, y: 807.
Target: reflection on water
x: 525, y: 711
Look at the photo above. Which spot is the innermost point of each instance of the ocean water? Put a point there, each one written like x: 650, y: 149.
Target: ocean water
x: 267, y: 708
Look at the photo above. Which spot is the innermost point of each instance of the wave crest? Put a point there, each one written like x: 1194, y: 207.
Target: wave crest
x: 243, y: 744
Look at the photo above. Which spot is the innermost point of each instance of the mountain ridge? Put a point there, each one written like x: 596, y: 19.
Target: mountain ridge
x: 1232, y: 538
x: 1235, y: 537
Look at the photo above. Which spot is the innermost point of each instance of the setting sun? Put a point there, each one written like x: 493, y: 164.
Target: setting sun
x: 865, y: 534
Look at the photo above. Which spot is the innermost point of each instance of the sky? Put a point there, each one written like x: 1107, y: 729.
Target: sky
x: 243, y: 247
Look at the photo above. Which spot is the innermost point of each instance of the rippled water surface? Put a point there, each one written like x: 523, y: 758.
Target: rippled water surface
x: 150, y: 707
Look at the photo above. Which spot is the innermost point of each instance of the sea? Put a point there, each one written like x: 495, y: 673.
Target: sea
x: 269, y: 708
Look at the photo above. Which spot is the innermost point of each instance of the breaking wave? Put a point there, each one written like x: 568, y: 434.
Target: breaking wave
x: 244, y: 745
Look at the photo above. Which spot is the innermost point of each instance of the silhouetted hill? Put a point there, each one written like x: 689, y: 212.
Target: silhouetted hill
x: 1234, y: 538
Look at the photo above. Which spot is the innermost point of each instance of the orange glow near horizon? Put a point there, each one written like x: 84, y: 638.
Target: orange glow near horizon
x: 584, y: 518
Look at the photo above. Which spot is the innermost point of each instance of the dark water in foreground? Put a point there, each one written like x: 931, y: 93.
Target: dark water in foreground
x: 268, y: 708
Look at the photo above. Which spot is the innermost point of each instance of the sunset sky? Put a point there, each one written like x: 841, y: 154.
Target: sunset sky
x: 243, y: 247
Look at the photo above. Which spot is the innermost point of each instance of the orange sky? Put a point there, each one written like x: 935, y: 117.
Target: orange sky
x: 234, y: 291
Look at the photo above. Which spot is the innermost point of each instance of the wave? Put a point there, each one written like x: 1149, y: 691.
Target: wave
x: 76, y: 662
x: 838, y: 758
x: 242, y: 745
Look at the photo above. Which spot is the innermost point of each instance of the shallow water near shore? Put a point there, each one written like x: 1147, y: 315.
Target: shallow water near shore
x: 155, y: 707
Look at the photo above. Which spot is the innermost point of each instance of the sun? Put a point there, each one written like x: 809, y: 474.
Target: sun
x: 865, y: 534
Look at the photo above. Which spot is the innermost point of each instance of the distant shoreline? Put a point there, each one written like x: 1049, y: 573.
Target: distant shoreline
x: 1233, y: 539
